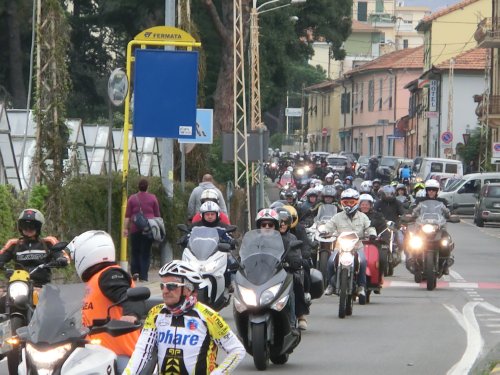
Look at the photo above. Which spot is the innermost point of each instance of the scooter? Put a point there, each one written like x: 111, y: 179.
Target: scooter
x: 55, y: 339
x: 203, y: 253
x: 262, y: 297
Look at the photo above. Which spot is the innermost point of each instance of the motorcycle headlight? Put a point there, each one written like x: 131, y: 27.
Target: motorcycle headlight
x: 18, y: 289
x: 46, y: 360
x: 238, y: 305
x: 416, y: 242
x: 269, y: 294
x: 429, y: 228
x: 300, y: 172
x: 248, y: 295
x: 208, y: 267
x: 281, y: 303
x: 322, y: 228
x: 273, y: 165
x: 307, y: 168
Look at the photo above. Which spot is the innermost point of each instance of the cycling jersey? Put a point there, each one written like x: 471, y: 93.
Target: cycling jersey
x: 186, y: 344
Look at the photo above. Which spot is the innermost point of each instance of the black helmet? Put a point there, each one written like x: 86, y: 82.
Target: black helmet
x: 30, y: 218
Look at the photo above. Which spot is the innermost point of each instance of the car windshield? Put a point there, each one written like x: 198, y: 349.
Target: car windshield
x: 493, y: 192
x: 453, y: 184
x: 431, y: 212
x: 203, y: 242
x: 261, y: 252
x: 337, y: 161
x: 363, y: 160
x: 58, y: 315
x: 388, y: 161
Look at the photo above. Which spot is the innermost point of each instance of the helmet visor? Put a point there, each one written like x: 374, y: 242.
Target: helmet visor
x: 28, y: 225
x: 349, y: 202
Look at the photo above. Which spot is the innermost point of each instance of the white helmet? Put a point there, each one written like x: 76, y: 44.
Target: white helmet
x: 183, y: 270
x: 209, y: 195
x: 349, y: 194
x: 366, y: 186
x: 432, y: 184
x: 209, y: 206
x: 420, y: 193
x: 366, y: 197
x: 91, y: 248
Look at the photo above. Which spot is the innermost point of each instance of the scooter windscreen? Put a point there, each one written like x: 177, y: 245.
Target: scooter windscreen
x: 261, y: 252
x: 431, y: 212
x: 203, y: 242
x: 326, y: 212
x: 58, y: 315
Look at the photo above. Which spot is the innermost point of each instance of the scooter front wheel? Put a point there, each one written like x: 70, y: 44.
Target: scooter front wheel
x: 323, y: 265
x: 343, y: 298
x: 429, y: 272
x: 260, y: 347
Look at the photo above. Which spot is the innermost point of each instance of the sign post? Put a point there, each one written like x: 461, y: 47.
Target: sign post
x: 158, y: 36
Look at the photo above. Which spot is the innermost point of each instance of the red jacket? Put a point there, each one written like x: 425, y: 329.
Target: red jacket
x: 224, y: 219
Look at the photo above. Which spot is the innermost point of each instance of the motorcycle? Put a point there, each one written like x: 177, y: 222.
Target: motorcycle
x: 21, y: 300
x: 204, y: 253
x: 426, y: 241
x: 272, y: 170
x: 320, y: 236
x: 347, y: 272
x: 261, y: 296
x: 55, y: 340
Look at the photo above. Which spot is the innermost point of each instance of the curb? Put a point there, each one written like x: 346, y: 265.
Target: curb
x: 495, y: 370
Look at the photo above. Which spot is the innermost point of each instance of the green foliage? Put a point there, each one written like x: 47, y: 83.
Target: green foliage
x: 471, y: 151
x: 8, y: 215
x: 39, y: 194
x: 276, y: 140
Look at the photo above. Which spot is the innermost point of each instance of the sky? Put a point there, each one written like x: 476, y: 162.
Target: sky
x: 433, y: 4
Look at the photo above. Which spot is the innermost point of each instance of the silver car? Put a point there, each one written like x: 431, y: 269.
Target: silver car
x: 487, y: 208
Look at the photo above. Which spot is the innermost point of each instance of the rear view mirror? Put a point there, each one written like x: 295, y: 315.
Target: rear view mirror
x: 59, y: 246
x: 391, y: 225
x: 231, y: 228
x: 295, y: 243
x: 138, y: 294
x: 183, y: 228
x: 224, y: 247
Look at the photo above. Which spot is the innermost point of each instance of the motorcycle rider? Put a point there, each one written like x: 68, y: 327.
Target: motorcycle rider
x: 291, y: 196
x: 106, y: 283
x: 329, y: 179
x: 328, y: 196
x: 269, y: 220
x: 210, y: 195
x: 350, y: 220
x: 403, y: 196
x: 31, y: 250
x: 309, y: 209
x: 376, y: 185
x: 432, y: 191
x: 348, y: 182
x: 185, y: 333
x: 405, y: 174
x: 299, y: 287
x: 416, y: 188
x: 371, y: 170
x: 392, y: 210
x: 366, y: 187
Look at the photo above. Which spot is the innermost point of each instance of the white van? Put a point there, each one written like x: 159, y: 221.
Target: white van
x: 462, y: 191
x: 424, y: 168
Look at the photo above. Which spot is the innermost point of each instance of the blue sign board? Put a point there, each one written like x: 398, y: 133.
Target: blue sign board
x: 204, y: 127
x: 165, y: 89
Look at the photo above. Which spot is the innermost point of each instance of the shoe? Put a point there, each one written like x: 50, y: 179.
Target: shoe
x: 329, y: 290
x: 302, y: 324
x: 135, y: 276
x: 361, y: 291
x: 446, y: 270
x: 377, y: 291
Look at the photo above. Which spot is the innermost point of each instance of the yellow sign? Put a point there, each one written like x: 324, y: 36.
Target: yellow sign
x: 164, y: 34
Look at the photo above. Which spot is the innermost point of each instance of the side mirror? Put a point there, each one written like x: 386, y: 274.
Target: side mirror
x: 183, y: 228
x: 231, y: 228
x: 138, y: 294
x: 60, y: 246
x: 224, y: 247
x: 391, y: 225
x: 407, y: 219
x: 454, y: 219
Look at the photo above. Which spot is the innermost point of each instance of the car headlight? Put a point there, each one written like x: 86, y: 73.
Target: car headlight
x: 18, y: 289
x: 429, y: 228
x: 416, y: 242
x: 300, y: 172
x: 248, y: 295
x: 269, y: 294
x: 47, y: 359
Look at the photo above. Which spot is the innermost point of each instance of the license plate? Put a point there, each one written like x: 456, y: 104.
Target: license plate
x: 496, y: 205
x: 5, y: 333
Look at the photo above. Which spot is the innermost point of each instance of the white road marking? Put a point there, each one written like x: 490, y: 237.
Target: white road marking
x: 493, y: 325
x: 489, y: 319
x: 456, y: 275
x: 475, y: 342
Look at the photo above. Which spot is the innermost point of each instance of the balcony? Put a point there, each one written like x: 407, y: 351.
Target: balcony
x: 487, y: 34
x: 493, y: 111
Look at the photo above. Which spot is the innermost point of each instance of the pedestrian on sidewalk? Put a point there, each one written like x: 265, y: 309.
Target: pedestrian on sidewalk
x: 145, y: 204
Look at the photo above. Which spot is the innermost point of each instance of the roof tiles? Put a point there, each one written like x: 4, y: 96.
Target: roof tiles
x: 410, y: 58
x: 474, y: 59
x: 447, y: 10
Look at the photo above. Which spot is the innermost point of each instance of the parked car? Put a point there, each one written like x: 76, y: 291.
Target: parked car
x: 487, y: 208
x: 353, y: 157
x: 423, y: 168
x: 463, y: 193
x: 339, y: 164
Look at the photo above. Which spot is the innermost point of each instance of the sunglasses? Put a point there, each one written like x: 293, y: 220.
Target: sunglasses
x: 171, y: 286
x: 267, y: 225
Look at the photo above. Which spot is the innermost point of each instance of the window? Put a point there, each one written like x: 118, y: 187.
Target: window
x: 390, y: 146
x: 370, y: 146
x: 362, y: 11
x: 345, y: 103
x: 380, y: 145
x: 470, y: 187
x: 436, y: 167
x: 362, y: 95
x: 405, y: 43
x: 323, y: 105
x: 391, y: 81
x: 491, y: 180
x: 493, y: 192
x: 451, y: 168
x: 371, y: 94
x: 356, y: 96
x: 379, y: 6
x: 328, y: 104
x: 381, y: 84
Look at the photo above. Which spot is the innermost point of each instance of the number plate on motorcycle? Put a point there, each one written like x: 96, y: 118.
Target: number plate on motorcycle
x: 496, y: 205
x: 5, y: 333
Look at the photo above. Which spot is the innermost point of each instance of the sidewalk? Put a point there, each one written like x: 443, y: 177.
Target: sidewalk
x: 153, y: 282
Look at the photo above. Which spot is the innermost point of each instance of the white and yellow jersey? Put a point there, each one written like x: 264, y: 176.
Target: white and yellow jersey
x: 186, y: 344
